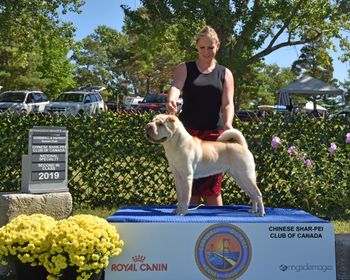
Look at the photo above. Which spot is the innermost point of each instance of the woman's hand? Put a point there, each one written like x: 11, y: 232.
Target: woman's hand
x: 171, y: 107
x: 228, y: 126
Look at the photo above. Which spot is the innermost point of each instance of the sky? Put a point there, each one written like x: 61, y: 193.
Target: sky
x: 109, y: 13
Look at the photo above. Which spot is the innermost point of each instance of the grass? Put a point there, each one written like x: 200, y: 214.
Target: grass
x: 99, y: 212
x: 341, y: 226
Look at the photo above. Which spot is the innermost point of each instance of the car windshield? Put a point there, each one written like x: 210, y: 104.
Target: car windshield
x: 71, y: 97
x: 155, y: 98
x: 13, y: 96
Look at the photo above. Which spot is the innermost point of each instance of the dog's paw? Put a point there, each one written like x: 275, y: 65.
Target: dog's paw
x: 177, y: 213
x: 180, y: 211
x: 261, y: 213
x: 253, y: 211
x: 258, y: 213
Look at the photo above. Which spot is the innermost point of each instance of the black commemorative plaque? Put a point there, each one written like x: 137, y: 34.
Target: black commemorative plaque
x: 48, y: 154
x: 46, y: 161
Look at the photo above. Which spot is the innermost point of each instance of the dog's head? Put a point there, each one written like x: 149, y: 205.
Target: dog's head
x: 161, y: 128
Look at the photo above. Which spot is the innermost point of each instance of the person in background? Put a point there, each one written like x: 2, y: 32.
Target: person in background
x: 207, y: 91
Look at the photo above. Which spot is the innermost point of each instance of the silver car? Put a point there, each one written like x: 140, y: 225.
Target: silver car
x: 23, y: 101
x: 77, y: 103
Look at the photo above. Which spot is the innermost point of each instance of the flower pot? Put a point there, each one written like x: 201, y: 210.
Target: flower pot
x: 71, y: 273
x: 24, y: 271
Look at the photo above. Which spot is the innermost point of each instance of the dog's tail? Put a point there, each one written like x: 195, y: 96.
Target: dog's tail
x: 233, y: 135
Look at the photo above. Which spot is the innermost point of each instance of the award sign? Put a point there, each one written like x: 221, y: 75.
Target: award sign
x: 44, y: 169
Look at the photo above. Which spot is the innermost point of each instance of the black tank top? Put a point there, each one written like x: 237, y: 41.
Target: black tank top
x: 202, y: 98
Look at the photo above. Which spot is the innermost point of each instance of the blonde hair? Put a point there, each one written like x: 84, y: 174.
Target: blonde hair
x: 208, y: 32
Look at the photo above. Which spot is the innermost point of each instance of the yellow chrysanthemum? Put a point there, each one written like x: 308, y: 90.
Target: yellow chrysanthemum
x: 23, y: 236
x: 83, y: 241
x: 86, y: 241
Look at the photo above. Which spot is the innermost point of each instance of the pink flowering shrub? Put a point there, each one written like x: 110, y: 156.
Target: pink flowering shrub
x: 332, y: 148
x: 347, y: 138
x: 302, y: 163
x: 276, y: 142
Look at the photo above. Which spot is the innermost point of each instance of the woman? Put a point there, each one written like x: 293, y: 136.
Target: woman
x: 208, y: 110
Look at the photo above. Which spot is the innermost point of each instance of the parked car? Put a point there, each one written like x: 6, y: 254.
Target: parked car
x: 156, y: 102
x: 86, y: 100
x: 131, y: 102
x: 341, y: 114
x: 23, y: 101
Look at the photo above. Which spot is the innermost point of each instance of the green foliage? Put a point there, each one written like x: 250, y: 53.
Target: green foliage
x: 260, y: 86
x: 286, y: 181
x: 100, y: 59
x: 248, y: 30
x: 156, y: 48
x: 56, y: 69
x: 109, y: 158
x: 34, y: 44
x: 111, y: 164
x: 315, y: 62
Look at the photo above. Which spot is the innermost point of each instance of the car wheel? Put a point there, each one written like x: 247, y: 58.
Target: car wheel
x: 80, y: 113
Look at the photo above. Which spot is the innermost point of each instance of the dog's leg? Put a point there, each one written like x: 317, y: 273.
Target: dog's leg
x: 255, y: 196
x: 183, y: 189
x: 183, y: 186
x: 254, y: 208
x: 248, y: 184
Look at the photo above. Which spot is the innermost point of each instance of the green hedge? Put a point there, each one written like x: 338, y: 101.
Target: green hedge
x: 111, y: 164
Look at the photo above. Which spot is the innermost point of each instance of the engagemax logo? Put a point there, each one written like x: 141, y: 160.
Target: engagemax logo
x: 139, y: 263
x: 223, y: 251
x: 306, y: 267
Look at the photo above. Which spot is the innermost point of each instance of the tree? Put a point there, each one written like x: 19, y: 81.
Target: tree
x: 31, y: 34
x: 90, y: 59
x: 250, y: 30
x: 100, y: 59
x: 154, y: 48
x: 263, y: 85
x: 314, y: 61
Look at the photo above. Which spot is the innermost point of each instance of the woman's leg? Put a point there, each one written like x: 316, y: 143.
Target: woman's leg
x: 208, y: 188
x: 213, y: 200
x: 196, y: 199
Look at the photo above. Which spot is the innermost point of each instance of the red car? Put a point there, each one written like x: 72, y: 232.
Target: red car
x: 154, y: 101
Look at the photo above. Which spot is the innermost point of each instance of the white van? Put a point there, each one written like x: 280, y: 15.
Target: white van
x: 77, y: 103
x: 23, y: 101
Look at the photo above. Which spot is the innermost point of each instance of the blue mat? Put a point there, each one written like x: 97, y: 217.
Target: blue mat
x: 210, y: 214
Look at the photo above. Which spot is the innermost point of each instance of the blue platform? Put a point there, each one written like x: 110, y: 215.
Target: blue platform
x: 210, y: 214
x: 285, y: 244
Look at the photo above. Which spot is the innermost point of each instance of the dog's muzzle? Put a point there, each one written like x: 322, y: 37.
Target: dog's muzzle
x: 151, y: 134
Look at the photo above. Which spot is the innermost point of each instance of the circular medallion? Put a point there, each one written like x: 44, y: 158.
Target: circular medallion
x: 223, y: 251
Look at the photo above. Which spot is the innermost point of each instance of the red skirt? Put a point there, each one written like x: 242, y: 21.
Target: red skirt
x: 208, y: 186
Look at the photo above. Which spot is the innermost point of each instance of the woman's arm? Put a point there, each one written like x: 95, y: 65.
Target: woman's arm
x: 227, y: 100
x: 176, y: 87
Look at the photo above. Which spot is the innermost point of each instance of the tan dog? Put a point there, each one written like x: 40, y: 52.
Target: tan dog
x: 191, y: 158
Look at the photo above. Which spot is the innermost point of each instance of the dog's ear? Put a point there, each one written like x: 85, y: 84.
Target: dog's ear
x: 171, y: 118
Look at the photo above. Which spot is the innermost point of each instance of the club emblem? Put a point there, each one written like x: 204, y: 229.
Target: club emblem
x: 223, y: 251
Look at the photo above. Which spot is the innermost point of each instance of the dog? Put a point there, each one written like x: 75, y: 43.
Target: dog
x: 190, y: 158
